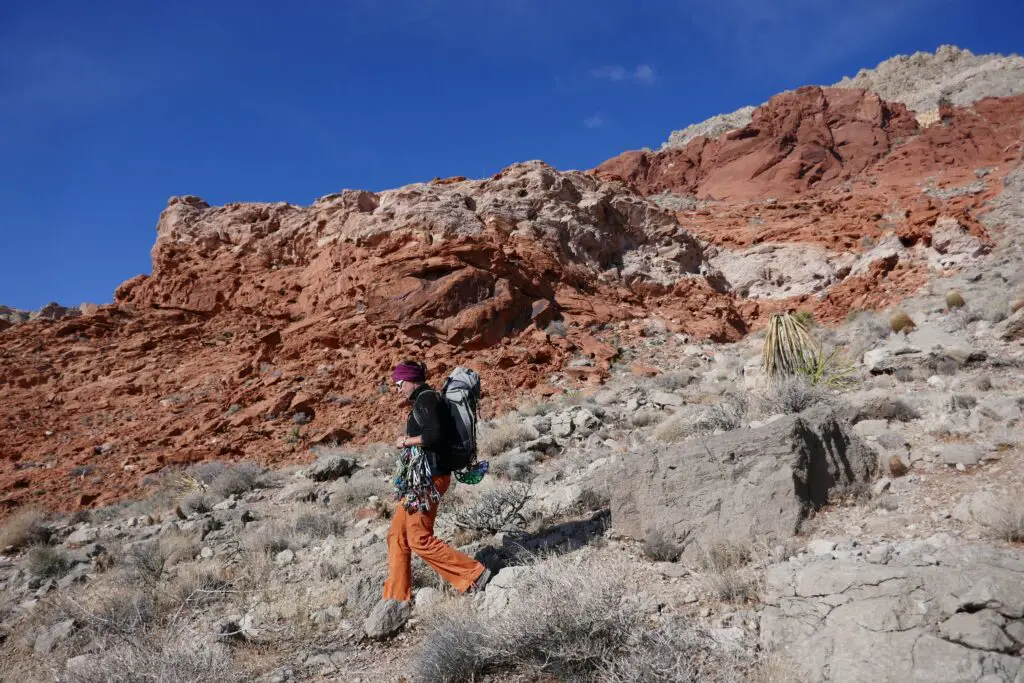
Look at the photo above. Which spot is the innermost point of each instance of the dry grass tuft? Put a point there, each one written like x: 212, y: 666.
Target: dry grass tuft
x: 675, y: 428
x: 172, y: 659
x: 317, y: 524
x: 514, y: 466
x: 24, y: 527
x: 47, y: 561
x: 793, y: 395
x: 502, y: 437
x: 572, y: 621
x: 660, y: 547
x: 1007, y: 522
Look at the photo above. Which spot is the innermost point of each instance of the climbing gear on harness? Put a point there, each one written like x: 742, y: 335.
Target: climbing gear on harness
x: 414, y: 482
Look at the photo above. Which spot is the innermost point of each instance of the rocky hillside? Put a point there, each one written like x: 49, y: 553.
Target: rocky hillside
x: 267, y: 328
x: 918, y: 81
x: 194, y: 485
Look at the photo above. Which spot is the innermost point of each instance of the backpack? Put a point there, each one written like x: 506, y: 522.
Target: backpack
x: 460, y: 395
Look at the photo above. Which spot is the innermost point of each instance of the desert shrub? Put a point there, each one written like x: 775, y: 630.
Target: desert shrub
x: 22, y: 528
x: 727, y: 415
x: 595, y: 498
x: 358, y: 489
x: 498, y: 509
x: 316, y: 524
x: 194, y: 586
x: 47, y: 561
x: 644, y: 418
x: 556, y: 328
x: 196, y: 502
x: 954, y: 299
x: 114, y: 608
x: 514, y: 466
x: 677, y: 650
x: 238, y: 479
x: 869, y: 325
x: 536, y: 409
x: 147, y: 560
x: 502, y: 437
x: 792, y: 395
x: 675, y: 428
x: 661, y: 547
x: 901, y: 322
x: 993, y: 309
x: 269, y: 538
x: 567, y: 622
x: 674, y: 381
x: 195, y: 660
x: 1007, y: 521
x: 723, y: 574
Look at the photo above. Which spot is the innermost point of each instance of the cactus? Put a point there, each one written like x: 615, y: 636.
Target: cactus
x: 901, y: 322
x: 954, y: 299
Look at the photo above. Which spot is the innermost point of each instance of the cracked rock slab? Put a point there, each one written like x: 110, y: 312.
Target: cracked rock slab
x: 948, y: 614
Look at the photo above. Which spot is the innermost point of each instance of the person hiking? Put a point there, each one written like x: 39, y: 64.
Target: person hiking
x: 422, y: 481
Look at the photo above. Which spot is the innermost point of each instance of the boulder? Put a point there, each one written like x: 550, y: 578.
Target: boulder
x: 1010, y: 329
x: 386, y: 619
x: 910, y: 613
x: 758, y: 483
x: 664, y: 398
x: 329, y: 468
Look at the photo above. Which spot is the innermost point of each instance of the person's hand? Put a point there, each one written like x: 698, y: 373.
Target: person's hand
x: 400, y: 443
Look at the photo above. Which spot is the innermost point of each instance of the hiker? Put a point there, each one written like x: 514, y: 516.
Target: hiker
x: 412, y: 528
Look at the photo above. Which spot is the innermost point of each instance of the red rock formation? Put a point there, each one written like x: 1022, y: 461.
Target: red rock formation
x: 257, y: 312
x: 254, y: 313
x: 811, y: 138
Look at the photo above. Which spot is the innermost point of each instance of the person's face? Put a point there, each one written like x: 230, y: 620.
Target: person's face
x: 405, y: 388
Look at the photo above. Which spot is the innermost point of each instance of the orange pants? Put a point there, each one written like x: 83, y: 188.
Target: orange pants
x: 414, y: 531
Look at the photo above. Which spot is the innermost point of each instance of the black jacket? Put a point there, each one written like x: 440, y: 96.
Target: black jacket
x: 428, y: 419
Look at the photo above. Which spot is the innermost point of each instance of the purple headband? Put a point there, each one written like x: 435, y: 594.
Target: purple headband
x: 409, y: 372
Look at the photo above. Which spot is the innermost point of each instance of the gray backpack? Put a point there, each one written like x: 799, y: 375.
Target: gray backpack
x: 460, y: 395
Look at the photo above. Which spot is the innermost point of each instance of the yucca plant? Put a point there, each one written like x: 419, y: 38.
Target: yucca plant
x: 827, y: 369
x: 787, y: 345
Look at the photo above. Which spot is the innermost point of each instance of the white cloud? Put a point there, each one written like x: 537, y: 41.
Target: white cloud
x: 642, y: 74
x: 594, y: 121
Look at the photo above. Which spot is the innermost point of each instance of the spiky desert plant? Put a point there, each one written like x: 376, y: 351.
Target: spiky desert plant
x: 827, y: 368
x: 901, y: 322
x: 787, y: 346
x: 954, y: 299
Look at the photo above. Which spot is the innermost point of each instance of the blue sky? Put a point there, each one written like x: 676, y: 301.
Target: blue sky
x: 109, y: 108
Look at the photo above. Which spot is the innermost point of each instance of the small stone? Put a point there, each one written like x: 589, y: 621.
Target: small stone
x: 84, y: 536
x: 427, y: 596
x: 206, y: 553
x: 960, y: 454
x: 53, y: 635
x: 881, y: 486
x: 821, y: 546
x: 386, y: 619
x: 663, y: 398
x: 228, y: 504
x: 561, y: 425
x: 285, y: 557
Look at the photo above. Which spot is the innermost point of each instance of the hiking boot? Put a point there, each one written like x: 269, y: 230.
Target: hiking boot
x: 481, y: 582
